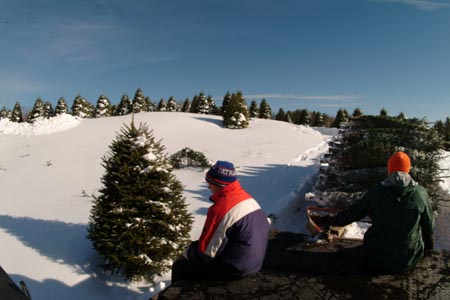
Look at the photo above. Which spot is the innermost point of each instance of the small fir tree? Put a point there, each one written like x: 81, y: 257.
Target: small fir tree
x: 265, y: 112
x: 172, y: 104
x: 281, y: 115
x: 235, y: 113
x: 139, y: 104
x: 203, y: 104
x: 213, y: 109
x: 3, y: 113
x: 253, y: 110
x: 162, y: 105
x: 139, y: 222
x: 17, y: 115
x: 124, y: 106
x: 82, y: 108
x: 103, y: 107
x: 186, y: 105
x: 37, y: 111
x: 61, y: 107
x: 48, y: 110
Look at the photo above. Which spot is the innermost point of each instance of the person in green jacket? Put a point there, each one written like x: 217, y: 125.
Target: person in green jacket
x: 402, y: 220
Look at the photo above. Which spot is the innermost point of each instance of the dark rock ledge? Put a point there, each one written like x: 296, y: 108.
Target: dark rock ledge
x: 279, y: 280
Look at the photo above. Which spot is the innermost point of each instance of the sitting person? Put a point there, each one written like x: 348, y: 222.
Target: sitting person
x: 402, y: 220
x: 234, y: 239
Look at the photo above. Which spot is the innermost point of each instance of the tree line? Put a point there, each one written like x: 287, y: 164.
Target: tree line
x: 234, y: 109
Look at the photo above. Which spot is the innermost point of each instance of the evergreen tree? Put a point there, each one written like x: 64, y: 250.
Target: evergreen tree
x: 124, y: 106
x: 172, y: 104
x: 304, y: 118
x: 213, y: 109
x: 195, y: 105
x: 61, y: 107
x: 17, y: 115
x: 401, y: 116
x: 139, y: 104
x: 383, y: 112
x: 103, y: 107
x: 235, y: 113
x: 3, y: 113
x: 139, y: 222
x: 186, y: 105
x: 253, y: 110
x: 341, y: 117
x: 357, y: 113
x: 281, y: 115
x: 226, y: 101
x: 318, y: 120
x: 82, y: 108
x: 37, y: 111
x: 203, y: 104
x: 149, y: 104
x: 48, y: 110
x: 162, y: 105
x: 265, y: 112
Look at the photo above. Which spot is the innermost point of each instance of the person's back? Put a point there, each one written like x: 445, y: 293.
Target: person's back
x: 402, y: 219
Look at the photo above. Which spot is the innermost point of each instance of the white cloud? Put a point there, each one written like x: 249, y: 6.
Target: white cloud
x: 421, y: 4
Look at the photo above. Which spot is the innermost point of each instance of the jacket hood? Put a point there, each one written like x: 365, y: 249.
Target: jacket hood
x: 400, y: 183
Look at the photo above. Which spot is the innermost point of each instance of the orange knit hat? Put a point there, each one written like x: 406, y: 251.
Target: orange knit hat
x: 399, y: 162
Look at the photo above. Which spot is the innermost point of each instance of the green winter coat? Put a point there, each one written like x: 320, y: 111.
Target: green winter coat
x: 402, y: 222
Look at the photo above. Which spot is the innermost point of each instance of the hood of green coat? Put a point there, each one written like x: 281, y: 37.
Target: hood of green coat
x: 401, y: 184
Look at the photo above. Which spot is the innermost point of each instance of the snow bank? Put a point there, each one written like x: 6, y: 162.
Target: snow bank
x: 39, y: 127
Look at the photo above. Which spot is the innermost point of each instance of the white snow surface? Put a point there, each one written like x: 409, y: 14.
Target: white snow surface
x: 48, y: 171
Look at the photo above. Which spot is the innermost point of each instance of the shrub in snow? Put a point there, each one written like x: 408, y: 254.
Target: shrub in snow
x: 187, y: 157
x: 139, y: 221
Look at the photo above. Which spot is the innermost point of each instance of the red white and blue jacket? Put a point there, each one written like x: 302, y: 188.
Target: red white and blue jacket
x: 235, y: 232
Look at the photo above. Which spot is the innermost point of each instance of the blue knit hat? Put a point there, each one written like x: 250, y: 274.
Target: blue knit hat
x: 221, y: 174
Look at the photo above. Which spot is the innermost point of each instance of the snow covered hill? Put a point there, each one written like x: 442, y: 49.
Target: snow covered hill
x: 48, y: 171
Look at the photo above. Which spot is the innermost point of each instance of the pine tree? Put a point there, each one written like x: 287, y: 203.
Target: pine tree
x: 203, y: 104
x: 82, y: 108
x: 37, y: 111
x: 172, y: 104
x: 213, y: 109
x: 281, y: 115
x: 186, y: 105
x: 3, y: 113
x: 48, y: 111
x: 140, y: 221
x: 265, y: 112
x: 304, y: 117
x: 341, y: 117
x: 103, y: 107
x: 149, y: 105
x: 357, y: 113
x: 61, y: 107
x: 124, y: 106
x: 235, y: 113
x: 139, y: 104
x: 318, y: 121
x: 195, y: 105
x: 162, y: 105
x: 253, y: 110
x: 17, y: 115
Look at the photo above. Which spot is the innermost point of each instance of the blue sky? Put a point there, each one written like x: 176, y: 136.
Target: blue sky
x: 320, y: 55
